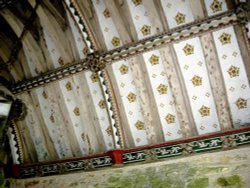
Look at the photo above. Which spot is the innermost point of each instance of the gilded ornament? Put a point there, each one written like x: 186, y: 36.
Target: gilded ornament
x: 233, y: 71
x: 162, y: 89
x: 137, y: 2
x: 116, y: 41
x: 106, y: 13
x: 188, y: 49
x: 170, y: 118
x: 94, y: 77
x: 154, y: 59
x: 225, y: 38
x: 204, y: 111
x: 109, y: 130
x: 102, y: 104
x: 216, y: 6
x: 197, y: 80
x: 131, y: 97
x: 241, y: 103
x: 123, y: 69
x: 139, y: 125
x: 94, y: 63
x: 146, y: 30
x: 77, y: 111
x: 68, y: 86
x: 180, y: 18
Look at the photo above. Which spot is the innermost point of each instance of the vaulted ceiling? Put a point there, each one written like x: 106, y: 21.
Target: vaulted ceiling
x: 173, y: 69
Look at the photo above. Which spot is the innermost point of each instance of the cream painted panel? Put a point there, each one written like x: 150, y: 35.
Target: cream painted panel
x: 177, y: 12
x: 109, y: 31
x: 57, y: 61
x: 234, y: 74
x: 96, y: 96
x: 53, y: 121
x: 194, y: 71
x: 129, y: 97
x: 74, y: 109
x: 140, y: 19
x: 162, y: 95
x: 101, y: 119
x: 32, y: 121
x: 215, y: 6
x: 126, y: 88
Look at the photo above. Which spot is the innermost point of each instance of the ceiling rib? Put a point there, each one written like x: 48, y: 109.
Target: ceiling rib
x: 180, y: 33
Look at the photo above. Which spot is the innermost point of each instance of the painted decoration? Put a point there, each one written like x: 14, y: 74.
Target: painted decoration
x: 193, y: 67
x: 234, y: 75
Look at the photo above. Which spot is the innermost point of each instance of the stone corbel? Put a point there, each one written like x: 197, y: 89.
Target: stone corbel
x: 243, y: 12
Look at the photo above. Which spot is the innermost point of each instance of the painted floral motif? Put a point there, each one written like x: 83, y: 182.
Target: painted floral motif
x: 123, y: 69
x: 106, y: 13
x: 188, y: 49
x: 170, y: 118
x: 204, y: 111
x: 146, y: 30
x: 154, y: 59
x: 233, y: 71
x: 116, y: 41
x: 85, y: 51
x: 45, y: 95
x: 162, y: 89
x: 139, y: 125
x: 225, y: 38
x: 102, y: 104
x: 180, y: 18
x: 131, y: 97
x: 137, y: 2
x: 68, y: 86
x: 109, y: 130
x: 241, y: 103
x: 94, y: 77
x: 76, y: 111
x: 197, y: 80
x: 216, y: 6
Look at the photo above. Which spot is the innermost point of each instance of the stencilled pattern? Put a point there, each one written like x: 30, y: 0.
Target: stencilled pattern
x: 193, y: 67
x: 177, y: 12
x: 140, y: 19
x: 109, y: 31
x: 215, y: 6
x: 162, y: 95
x: 234, y: 75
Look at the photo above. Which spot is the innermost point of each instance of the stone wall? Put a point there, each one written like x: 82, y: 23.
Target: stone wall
x: 219, y: 169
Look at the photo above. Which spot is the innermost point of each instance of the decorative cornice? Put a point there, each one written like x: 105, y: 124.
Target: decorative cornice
x: 180, y: 33
x: 200, y: 144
